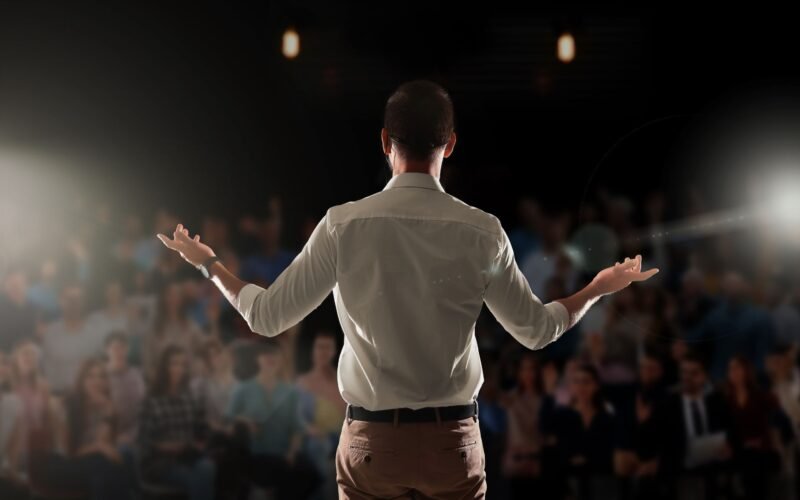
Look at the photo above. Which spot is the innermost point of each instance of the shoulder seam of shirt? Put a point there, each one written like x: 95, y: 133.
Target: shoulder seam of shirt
x: 387, y: 216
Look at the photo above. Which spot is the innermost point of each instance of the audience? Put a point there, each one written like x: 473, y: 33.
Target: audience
x: 123, y: 372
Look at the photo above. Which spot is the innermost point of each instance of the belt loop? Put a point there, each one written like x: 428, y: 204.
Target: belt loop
x: 396, y: 413
x: 438, y: 417
x: 475, y: 417
x: 349, y: 413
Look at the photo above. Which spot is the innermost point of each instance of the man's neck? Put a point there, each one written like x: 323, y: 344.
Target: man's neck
x: 433, y: 168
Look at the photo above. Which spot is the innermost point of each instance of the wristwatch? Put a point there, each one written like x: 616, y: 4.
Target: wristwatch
x: 205, y: 267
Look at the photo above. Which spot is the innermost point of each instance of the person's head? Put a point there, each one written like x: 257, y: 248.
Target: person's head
x: 117, y: 348
x: 72, y: 302
x: 270, y: 234
x: 585, y: 386
x: 735, y: 287
x: 323, y: 351
x: 15, y: 286
x: 92, y: 380
x: 778, y: 363
x: 5, y: 369
x: 171, y: 306
x: 651, y: 369
x: 24, y: 363
x: 528, y: 372
x: 215, y: 356
x: 172, y: 373
x: 741, y: 373
x: 418, y: 127
x: 269, y: 357
x: 114, y: 294
x: 693, y: 374
x: 48, y: 270
x: 530, y: 213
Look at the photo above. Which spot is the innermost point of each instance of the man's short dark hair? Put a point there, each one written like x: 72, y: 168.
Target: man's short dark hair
x: 419, y: 119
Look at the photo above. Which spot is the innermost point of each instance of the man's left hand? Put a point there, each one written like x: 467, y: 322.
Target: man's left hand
x: 191, y: 249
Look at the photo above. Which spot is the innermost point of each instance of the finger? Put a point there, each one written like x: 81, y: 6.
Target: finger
x: 639, y: 262
x: 196, y: 237
x: 645, y: 275
x: 628, y: 264
x: 180, y: 235
x: 166, y: 241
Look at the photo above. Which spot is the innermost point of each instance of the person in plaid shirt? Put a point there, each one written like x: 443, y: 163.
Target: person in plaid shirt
x: 173, y: 431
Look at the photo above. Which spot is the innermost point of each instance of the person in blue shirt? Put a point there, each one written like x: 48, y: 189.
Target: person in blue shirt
x: 266, y: 410
x: 265, y: 266
x: 734, y: 326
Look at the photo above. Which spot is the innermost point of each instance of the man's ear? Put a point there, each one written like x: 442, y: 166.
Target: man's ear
x: 448, y: 149
x: 386, y: 144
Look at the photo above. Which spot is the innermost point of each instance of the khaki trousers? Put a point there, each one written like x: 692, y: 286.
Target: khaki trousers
x: 411, y: 460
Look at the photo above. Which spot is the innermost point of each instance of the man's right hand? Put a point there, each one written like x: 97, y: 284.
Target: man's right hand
x: 615, y: 278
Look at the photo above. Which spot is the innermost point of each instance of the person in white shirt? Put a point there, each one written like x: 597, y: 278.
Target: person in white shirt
x: 410, y: 268
x: 69, y: 341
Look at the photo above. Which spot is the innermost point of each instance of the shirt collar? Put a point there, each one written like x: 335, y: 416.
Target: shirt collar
x: 414, y: 179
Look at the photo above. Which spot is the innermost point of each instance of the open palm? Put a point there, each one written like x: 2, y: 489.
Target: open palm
x: 191, y: 249
x: 615, y: 278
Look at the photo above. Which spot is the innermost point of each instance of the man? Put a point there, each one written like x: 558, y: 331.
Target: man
x: 410, y: 268
x: 269, y: 408
x: 693, y: 425
x: 69, y: 341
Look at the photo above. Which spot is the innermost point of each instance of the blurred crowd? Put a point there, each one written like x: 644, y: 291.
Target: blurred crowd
x: 125, y: 374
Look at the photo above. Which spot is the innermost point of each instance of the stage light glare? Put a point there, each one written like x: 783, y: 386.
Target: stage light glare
x: 291, y: 43
x: 784, y: 203
x: 566, y: 48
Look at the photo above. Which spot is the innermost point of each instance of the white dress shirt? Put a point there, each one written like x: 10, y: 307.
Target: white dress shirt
x: 410, y: 268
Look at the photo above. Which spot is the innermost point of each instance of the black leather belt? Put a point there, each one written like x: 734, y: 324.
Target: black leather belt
x: 427, y: 414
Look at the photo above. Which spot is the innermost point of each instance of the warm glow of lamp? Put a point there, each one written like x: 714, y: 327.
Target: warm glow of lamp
x: 291, y: 43
x: 566, y: 48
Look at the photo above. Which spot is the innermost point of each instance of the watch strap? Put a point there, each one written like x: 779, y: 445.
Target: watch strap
x: 205, y: 267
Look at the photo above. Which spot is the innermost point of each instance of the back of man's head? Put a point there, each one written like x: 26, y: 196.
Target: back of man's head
x: 419, y: 119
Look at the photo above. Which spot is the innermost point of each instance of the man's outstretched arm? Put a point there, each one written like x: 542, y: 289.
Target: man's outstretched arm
x: 609, y: 280
x: 297, y: 291
x: 534, y: 324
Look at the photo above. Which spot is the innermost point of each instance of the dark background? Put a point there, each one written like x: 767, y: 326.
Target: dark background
x: 193, y: 107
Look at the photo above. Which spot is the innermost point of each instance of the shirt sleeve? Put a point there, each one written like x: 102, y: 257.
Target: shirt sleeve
x: 297, y: 291
x: 509, y: 297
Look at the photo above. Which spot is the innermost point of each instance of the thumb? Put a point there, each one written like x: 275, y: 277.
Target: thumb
x: 646, y: 274
x: 166, y: 241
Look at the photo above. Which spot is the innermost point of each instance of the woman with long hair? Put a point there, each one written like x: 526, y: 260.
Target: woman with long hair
x: 173, y: 430
x: 583, y: 433
x: 39, y: 427
x: 754, y: 438
x: 172, y: 326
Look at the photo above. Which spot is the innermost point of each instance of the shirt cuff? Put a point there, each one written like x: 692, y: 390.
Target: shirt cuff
x: 560, y: 315
x: 245, y: 299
